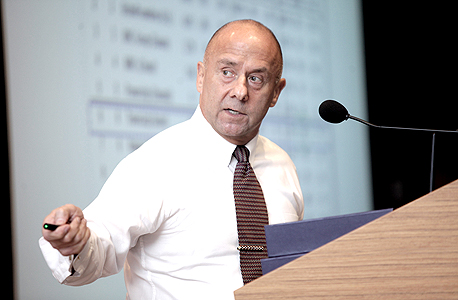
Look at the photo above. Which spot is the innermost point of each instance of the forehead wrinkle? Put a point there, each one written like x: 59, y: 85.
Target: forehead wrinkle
x: 227, y: 62
x: 260, y: 70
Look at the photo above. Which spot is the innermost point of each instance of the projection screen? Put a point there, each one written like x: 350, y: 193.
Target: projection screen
x: 89, y: 81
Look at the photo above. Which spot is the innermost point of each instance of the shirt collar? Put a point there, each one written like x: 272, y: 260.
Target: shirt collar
x: 218, y: 146
x: 251, y: 145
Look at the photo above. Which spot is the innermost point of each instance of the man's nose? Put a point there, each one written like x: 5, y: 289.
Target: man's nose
x: 240, y: 89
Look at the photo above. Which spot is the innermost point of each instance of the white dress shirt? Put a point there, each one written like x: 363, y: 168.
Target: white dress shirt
x: 167, y: 215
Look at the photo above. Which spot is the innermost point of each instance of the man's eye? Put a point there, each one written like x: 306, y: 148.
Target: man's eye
x: 227, y: 73
x: 255, y: 79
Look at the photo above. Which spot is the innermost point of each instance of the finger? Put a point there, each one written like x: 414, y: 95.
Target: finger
x: 73, y: 231
x: 82, y: 231
x: 74, y: 212
x: 63, y: 235
x: 57, y: 234
x: 61, y: 216
x: 57, y: 213
x: 66, y: 214
x: 78, y: 242
x: 83, y: 234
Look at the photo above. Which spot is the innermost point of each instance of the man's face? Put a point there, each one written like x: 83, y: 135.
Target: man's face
x: 239, y: 82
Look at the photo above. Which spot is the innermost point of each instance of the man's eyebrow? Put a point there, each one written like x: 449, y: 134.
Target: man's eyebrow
x: 260, y: 70
x: 227, y: 62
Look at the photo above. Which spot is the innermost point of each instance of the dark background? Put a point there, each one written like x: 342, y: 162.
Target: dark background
x: 410, y: 73
x: 411, y: 77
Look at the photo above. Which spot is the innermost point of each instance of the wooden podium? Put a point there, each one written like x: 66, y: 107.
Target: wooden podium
x: 410, y: 253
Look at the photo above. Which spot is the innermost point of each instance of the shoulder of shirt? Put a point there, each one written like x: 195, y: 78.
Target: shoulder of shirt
x: 270, y: 150
x: 162, y: 146
x: 177, y: 133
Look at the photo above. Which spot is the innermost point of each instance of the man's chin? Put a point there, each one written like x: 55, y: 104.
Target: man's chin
x: 236, y: 134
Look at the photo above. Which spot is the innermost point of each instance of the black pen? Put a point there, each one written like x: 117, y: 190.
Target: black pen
x: 51, y: 227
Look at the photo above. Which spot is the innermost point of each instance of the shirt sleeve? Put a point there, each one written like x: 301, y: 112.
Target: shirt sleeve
x: 128, y: 206
x: 59, y: 264
x: 69, y: 269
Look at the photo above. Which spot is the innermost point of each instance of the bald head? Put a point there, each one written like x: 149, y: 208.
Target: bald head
x: 251, y: 29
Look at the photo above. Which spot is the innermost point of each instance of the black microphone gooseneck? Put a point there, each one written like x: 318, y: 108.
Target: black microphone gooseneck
x: 333, y: 112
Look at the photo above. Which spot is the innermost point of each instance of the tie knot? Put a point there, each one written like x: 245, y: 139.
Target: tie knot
x: 242, y: 153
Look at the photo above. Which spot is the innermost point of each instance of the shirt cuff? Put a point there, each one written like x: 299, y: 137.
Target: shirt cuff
x: 59, y: 264
x: 63, y: 267
x: 81, y: 261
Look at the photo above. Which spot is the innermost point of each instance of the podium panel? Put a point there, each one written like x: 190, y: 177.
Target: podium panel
x: 410, y: 253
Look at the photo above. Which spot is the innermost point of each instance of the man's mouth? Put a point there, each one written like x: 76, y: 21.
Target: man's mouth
x: 233, y: 112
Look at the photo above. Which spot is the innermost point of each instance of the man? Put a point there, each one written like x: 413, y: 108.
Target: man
x: 167, y: 212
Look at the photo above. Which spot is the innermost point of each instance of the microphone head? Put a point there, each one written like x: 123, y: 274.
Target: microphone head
x: 333, y: 112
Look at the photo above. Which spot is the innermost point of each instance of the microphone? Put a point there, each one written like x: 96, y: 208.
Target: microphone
x: 333, y: 112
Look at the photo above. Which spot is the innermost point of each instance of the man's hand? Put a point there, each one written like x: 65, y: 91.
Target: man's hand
x: 72, y: 234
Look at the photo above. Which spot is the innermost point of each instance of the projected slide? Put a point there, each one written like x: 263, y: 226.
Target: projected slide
x: 141, y: 70
x: 89, y: 81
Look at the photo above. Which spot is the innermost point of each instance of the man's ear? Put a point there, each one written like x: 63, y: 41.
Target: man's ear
x: 200, y: 76
x: 280, y: 86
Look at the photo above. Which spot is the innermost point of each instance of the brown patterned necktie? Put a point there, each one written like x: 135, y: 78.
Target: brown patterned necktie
x: 251, y: 217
